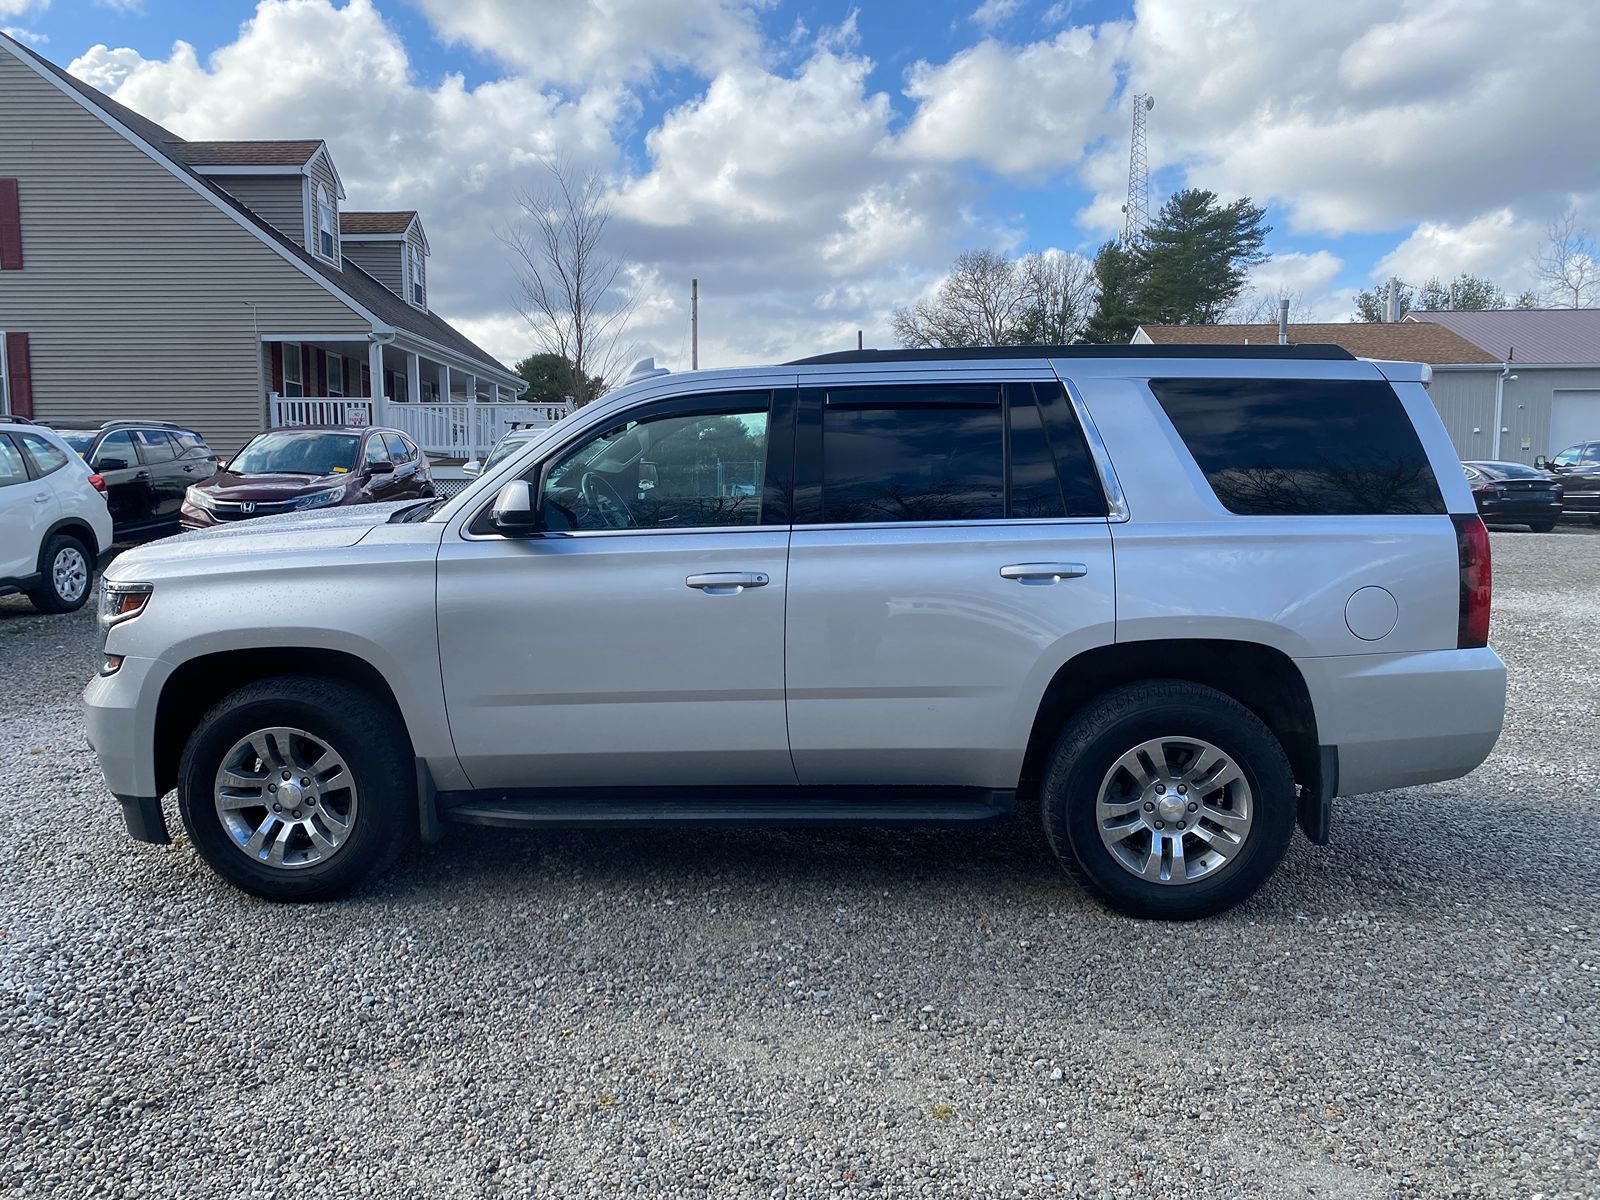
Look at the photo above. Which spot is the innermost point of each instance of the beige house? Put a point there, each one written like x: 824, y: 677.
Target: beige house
x: 221, y: 285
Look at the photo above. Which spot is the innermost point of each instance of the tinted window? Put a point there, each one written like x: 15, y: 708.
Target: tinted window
x: 46, y: 456
x: 116, y: 452
x: 1301, y: 447
x: 1504, y: 470
x: 1081, y: 490
x: 12, y: 469
x: 375, y: 450
x: 190, y: 444
x: 155, y: 445
x: 1592, y: 454
x: 674, y: 472
x: 912, y: 454
x: 399, y: 449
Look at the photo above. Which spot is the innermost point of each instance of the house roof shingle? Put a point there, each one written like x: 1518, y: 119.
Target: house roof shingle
x: 351, y: 280
x: 357, y: 223
x: 245, y: 154
x: 1525, y: 335
x: 1402, y: 341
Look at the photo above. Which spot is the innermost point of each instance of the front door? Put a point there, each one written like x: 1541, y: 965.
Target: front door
x: 951, y: 550
x: 27, y: 508
x: 129, y: 495
x: 639, y: 642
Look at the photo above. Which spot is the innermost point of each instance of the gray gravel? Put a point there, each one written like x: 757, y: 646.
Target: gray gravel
x: 1410, y: 1012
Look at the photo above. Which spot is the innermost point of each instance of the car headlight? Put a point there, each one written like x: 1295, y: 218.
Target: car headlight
x: 122, y: 601
x: 321, y: 499
x: 197, y: 498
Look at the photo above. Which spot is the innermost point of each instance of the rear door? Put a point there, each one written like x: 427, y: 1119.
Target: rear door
x: 951, y: 551
x: 159, y: 453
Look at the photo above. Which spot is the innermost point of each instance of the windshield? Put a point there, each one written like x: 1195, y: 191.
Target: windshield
x: 507, y: 447
x: 287, y: 453
x: 79, y: 439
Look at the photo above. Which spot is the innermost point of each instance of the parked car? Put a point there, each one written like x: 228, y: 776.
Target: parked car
x: 1510, y: 493
x: 292, y: 470
x: 1578, y: 469
x: 147, y: 466
x: 54, y: 525
x: 1178, y: 597
x: 503, y: 449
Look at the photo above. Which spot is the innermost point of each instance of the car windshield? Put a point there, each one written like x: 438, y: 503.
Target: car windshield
x: 79, y: 439
x: 508, y: 446
x: 288, y: 453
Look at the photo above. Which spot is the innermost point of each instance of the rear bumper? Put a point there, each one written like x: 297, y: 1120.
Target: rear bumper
x: 1517, y: 511
x: 1404, y: 719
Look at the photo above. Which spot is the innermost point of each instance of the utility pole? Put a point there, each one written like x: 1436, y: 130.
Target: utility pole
x: 694, y: 324
x: 1136, y: 209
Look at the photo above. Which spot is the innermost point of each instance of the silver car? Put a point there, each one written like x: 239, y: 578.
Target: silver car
x: 1178, y: 598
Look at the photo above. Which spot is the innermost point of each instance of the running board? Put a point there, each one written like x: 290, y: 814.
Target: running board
x: 793, y: 806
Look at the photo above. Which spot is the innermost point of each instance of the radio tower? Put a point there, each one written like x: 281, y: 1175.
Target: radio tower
x: 1136, y: 211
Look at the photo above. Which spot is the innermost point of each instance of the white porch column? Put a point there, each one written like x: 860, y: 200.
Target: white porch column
x: 445, y: 399
x: 472, y: 413
x: 380, y: 402
x: 414, y: 379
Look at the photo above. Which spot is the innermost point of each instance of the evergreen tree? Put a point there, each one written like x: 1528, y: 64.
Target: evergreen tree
x: 1116, y: 313
x: 1195, y: 258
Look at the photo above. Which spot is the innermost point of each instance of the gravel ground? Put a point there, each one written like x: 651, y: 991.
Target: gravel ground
x: 1410, y: 1012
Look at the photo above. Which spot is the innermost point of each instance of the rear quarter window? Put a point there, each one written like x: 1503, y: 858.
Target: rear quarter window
x: 1297, y: 447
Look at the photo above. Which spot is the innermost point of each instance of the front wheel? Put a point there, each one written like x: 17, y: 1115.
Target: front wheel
x: 298, y: 788
x: 1542, y: 526
x: 1168, y: 799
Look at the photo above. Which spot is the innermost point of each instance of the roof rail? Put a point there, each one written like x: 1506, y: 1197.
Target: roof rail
x: 9, y: 419
x: 1314, y: 351
x: 150, y: 424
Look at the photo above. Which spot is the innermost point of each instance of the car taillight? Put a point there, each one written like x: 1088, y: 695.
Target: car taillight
x: 98, y: 483
x: 1472, y: 556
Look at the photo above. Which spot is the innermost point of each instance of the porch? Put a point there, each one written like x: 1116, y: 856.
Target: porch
x: 452, y: 409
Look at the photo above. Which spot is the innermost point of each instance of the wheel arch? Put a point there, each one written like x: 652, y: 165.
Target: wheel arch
x: 75, y: 526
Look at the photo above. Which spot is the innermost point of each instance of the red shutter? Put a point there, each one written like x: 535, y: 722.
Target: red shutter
x: 277, y: 367
x: 10, y: 227
x: 19, y: 375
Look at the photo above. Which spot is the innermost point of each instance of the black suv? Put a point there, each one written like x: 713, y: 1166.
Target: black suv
x: 147, y: 466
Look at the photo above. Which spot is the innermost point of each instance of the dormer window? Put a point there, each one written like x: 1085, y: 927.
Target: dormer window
x: 418, y: 291
x: 327, y: 239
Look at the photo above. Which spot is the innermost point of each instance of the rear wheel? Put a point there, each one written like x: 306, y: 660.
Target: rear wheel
x: 298, y: 788
x: 1168, y: 799
x: 1542, y: 526
x: 67, y: 569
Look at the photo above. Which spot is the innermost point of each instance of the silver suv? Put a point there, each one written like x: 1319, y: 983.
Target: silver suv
x: 1177, y: 598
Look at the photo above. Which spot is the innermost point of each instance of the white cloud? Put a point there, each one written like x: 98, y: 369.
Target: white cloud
x: 24, y: 35
x: 127, y: 6
x: 994, y: 12
x: 1496, y: 245
x: 16, y: 8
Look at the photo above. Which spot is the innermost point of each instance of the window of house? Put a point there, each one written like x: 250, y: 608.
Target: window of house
x: 327, y: 239
x: 293, y: 380
x: 335, y: 383
x: 1298, y: 447
x: 418, y: 293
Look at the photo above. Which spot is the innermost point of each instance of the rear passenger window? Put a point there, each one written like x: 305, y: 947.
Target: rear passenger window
x: 1296, y: 447
x: 913, y: 454
x: 12, y: 468
x: 155, y: 446
x: 46, y: 456
x: 1044, y: 429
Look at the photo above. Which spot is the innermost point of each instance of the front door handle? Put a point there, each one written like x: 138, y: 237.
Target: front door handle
x: 727, y: 583
x: 1043, y: 574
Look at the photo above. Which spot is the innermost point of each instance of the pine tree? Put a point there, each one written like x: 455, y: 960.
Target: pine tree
x: 1116, y: 313
x: 1195, y: 257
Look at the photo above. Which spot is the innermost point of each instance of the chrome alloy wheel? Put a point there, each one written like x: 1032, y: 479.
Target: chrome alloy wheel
x: 286, y: 798
x: 1174, y: 809
x: 69, y: 572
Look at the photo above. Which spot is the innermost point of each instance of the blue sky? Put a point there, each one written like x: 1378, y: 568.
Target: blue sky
x: 819, y: 163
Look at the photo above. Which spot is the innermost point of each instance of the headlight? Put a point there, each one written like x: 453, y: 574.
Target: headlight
x: 321, y: 499
x: 122, y: 601
x: 197, y: 498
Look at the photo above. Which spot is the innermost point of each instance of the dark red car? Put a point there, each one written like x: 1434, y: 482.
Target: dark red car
x: 293, y: 470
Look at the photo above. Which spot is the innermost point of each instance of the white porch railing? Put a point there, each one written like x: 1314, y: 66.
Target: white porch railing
x: 453, y: 430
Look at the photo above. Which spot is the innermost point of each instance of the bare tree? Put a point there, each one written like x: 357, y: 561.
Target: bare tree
x: 1059, y: 292
x: 1261, y: 308
x: 1568, y: 265
x: 977, y: 305
x: 577, y: 299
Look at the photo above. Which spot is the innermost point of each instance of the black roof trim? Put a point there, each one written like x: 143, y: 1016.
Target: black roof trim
x: 1313, y: 351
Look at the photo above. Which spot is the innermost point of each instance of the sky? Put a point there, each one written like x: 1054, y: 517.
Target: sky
x: 817, y: 164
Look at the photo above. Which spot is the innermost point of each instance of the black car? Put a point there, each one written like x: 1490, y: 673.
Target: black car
x: 1509, y: 493
x: 1578, y: 469
x: 147, y: 467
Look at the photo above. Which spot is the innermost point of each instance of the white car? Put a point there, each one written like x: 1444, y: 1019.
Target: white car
x: 54, y: 523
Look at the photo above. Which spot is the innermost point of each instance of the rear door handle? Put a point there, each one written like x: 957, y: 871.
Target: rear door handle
x: 41, y: 498
x: 727, y: 583
x: 1043, y: 574
x: 142, y: 475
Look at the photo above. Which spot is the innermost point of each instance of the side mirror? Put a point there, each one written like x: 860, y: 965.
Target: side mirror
x: 472, y: 468
x: 514, y: 513
x: 111, y: 464
x: 380, y: 468
x: 1542, y: 463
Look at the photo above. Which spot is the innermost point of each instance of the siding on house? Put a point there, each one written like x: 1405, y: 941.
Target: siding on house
x: 279, y: 200
x: 381, y: 260
x: 1528, y: 402
x: 1465, y: 400
x: 137, y: 292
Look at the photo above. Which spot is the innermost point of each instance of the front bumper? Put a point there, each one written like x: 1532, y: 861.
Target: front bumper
x: 119, y: 719
x: 1404, y: 719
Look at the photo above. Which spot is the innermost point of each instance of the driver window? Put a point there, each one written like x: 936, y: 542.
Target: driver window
x: 695, y: 471
x: 116, y: 452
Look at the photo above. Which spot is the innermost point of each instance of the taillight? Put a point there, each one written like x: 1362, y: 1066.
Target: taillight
x: 1472, y: 556
x: 98, y: 483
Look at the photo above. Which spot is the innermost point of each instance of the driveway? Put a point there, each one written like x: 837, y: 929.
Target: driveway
x: 1409, y: 1012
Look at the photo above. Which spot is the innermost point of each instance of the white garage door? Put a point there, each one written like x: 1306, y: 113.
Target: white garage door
x: 1574, y: 417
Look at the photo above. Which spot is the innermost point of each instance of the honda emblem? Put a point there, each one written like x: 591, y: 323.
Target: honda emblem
x: 247, y: 507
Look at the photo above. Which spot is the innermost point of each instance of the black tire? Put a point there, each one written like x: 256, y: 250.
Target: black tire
x: 1542, y: 526
x: 365, y: 731
x: 1120, y: 720
x: 48, y: 596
